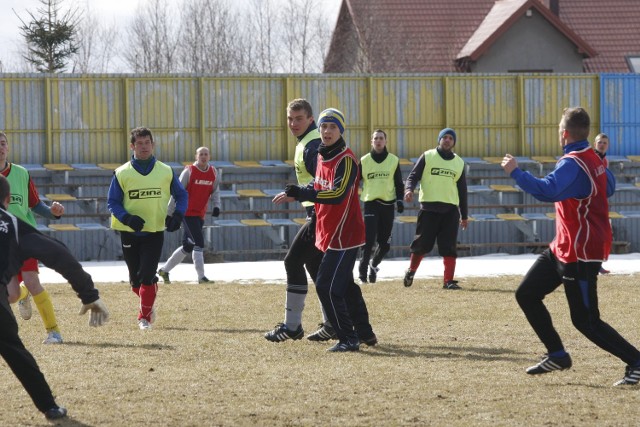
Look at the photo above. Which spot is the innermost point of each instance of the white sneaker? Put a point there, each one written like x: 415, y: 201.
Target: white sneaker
x: 24, y: 307
x: 144, y: 324
x: 53, y: 338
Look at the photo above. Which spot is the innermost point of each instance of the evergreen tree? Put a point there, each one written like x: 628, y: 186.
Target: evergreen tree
x: 50, y: 37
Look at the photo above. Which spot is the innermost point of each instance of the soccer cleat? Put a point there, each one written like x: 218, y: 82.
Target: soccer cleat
x: 164, y: 275
x: 204, y: 279
x: 55, y: 413
x: 451, y: 284
x: 631, y: 376
x: 53, y: 337
x: 144, y: 324
x: 363, y: 279
x: 549, y: 364
x: 408, y: 278
x: 344, y: 346
x: 604, y: 271
x: 282, y: 333
x: 373, y: 273
x: 325, y: 332
x: 370, y: 341
x: 24, y: 307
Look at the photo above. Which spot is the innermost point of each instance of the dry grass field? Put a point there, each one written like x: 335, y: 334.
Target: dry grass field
x: 445, y: 358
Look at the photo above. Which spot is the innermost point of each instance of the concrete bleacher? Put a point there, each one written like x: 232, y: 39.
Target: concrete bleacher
x: 251, y: 227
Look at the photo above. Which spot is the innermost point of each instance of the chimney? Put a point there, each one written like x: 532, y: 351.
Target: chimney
x: 554, y: 6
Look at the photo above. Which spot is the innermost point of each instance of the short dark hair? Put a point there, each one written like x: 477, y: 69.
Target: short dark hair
x: 576, y: 121
x: 5, y: 189
x: 140, y: 132
x: 301, y: 104
x: 382, y: 132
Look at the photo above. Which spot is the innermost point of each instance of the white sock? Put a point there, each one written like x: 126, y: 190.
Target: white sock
x: 325, y: 319
x: 176, y: 258
x: 198, y: 261
x: 293, y: 310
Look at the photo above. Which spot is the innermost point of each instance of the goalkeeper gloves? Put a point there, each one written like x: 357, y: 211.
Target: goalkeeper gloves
x: 99, y: 312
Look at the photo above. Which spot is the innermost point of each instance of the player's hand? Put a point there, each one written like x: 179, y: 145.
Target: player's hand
x: 464, y: 223
x: 509, y: 163
x: 134, y: 221
x: 408, y: 196
x: 281, y: 198
x: 400, y: 206
x: 174, y: 222
x: 215, y: 213
x: 99, y: 312
x: 57, y: 209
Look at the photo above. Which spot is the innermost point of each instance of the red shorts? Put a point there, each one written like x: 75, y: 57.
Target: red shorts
x: 29, y: 265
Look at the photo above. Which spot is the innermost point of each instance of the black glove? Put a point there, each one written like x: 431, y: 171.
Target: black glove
x: 215, y: 213
x: 175, y: 221
x: 134, y: 221
x: 292, y: 190
x: 400, y: 206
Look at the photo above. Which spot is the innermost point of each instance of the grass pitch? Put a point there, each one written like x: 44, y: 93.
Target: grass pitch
x: 453, y: 358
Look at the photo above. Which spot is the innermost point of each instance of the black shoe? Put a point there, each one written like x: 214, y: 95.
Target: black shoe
x: 451, y: 284
x: 343, y: 346
x: 282, y: 333
x: 325, y: 332
x: 549, y: 364
x: 55, y: 413
x: 631, y: 376
x: 408, y: 278
x: 204, y: 279
x: 370, y: 341
x: 363, y: 279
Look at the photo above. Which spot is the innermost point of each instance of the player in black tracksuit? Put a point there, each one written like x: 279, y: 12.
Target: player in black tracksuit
x: 382, y: 190
x: 19, y: 241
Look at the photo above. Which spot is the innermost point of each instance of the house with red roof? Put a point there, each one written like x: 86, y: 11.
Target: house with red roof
x: 486, y: 36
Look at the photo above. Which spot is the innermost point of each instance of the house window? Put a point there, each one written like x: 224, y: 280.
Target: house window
x: 634, y: 63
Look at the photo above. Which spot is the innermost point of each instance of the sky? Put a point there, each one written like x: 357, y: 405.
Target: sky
x: 118, y: 11
x: 273, y: 271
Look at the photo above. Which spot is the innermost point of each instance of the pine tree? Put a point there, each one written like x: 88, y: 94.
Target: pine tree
x: 50, y: 36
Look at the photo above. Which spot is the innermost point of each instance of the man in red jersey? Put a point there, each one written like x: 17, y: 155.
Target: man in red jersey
x: 201, y: 182
x: 339, y: 234
x: 579, y: 186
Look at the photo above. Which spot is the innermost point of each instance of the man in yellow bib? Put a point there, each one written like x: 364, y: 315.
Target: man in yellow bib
x: 138, y: 199
x: 443, y: 205
x: 382, y: 190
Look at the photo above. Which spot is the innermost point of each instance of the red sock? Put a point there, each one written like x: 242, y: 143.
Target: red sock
x: 136, y: 290
x: 147, y: 298
x: 449, y: 267
x: 414, y: 261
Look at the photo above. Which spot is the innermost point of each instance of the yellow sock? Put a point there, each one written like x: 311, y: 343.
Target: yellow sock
x: 45, y: 307
x: 23, y: 291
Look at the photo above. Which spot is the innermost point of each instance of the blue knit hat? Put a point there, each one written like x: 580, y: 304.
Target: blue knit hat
x: 331, y: 115
x: 448, y: 131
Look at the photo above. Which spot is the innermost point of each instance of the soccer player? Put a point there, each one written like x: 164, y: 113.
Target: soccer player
x: 339, y: 234
x: 201, y: 182
x: 138, y: 199
x: 443, y: 206
x: 19, y: 241
x: 579, y: 186
x: 24, y: 202
x: 382, y: 191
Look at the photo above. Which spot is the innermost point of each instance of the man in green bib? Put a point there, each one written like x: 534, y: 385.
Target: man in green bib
x: 138, y: 200
x: 382, y: 191
x: 443, y: 205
